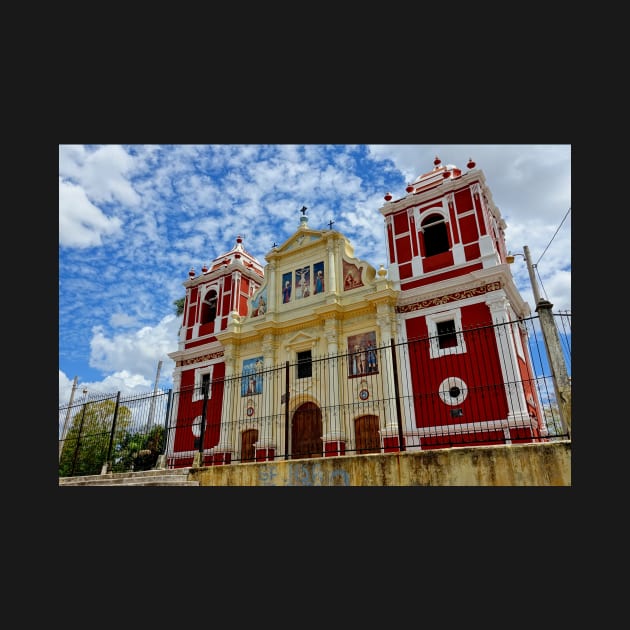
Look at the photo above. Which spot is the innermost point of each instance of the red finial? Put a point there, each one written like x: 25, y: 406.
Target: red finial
x: 191, y: 273
x: 388, y: 196
x: 204, y: 268
x: 470, y: 164
x: 410, y: 188
x: 446, y: 174
x: 437, y: 161
x: 239, y: 239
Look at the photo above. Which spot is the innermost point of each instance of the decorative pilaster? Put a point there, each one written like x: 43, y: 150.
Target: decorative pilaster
x: 389, y: 433
x: 331, y: 282
x: 267, y: 433
x: 231, y: 397
x: 334, y: 437
x: 508, y: 359
x: 272, y: 293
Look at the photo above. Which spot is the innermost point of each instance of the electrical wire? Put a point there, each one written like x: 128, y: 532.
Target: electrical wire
x: 546, y: 248
x: 554, y: 236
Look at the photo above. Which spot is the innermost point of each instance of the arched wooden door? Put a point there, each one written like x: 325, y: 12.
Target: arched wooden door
x: 306, y: 431
x: 248, y: 439
x: 367, y: 436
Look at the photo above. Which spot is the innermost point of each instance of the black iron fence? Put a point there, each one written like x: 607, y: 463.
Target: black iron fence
x: 370, y: 400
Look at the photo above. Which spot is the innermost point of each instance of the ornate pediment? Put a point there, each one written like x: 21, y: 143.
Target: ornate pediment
x: 300, y: 239
x: 301, y: 340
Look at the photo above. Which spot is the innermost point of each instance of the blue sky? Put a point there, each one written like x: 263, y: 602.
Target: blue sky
x: 133, y: 220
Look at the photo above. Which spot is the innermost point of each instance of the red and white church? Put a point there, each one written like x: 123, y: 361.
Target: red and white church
x: 280, y: 359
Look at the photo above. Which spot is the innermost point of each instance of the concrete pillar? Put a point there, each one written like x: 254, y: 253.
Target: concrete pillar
x: 561, y: 381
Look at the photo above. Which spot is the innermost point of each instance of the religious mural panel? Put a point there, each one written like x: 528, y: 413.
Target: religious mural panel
x: 351, y: 276
x: 251, y: 381
x: 259, y: 303
x: 362, y: 358
x: 286, y: 287
x: 318, y: 274
x: 302, y: 282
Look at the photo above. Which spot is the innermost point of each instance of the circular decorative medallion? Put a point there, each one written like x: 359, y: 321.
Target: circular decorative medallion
x: 250, y: 411
x: 364, y: 394
x: 453, y: 390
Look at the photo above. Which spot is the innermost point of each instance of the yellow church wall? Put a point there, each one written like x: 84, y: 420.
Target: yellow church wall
x: 324, y: 323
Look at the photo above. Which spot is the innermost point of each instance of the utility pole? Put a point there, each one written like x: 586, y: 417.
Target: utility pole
x: 65, y: 423
x: 532, y: 278
x: 555, y: 355
x: 155, y: 388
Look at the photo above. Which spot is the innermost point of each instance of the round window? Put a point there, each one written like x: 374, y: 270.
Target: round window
x: 453, y: 390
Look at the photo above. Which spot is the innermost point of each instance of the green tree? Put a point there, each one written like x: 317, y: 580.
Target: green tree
x: 179, y: 306
x: 138, y: 450
x: 87, y: 441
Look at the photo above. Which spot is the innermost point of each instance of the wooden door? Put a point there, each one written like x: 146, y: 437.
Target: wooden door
x: 248, y: 439
x: 306, y: 431
x: 367, y: 436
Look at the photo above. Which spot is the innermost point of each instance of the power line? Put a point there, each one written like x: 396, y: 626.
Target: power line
x: 535, y: 266
x: 554, y: 236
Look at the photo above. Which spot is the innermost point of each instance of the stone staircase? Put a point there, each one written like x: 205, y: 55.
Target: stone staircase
x: 158, y: 477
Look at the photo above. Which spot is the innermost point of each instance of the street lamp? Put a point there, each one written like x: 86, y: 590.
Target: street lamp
x: 530, y: 268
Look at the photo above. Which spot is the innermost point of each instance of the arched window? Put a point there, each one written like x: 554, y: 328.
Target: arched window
x: 435, y: 235
x: 209, y: 307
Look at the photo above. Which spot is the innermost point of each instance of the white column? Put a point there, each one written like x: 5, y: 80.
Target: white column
x: 272, y: 293
x: 331, y: 281
x: 387, y: 326
x: 508, y: 360
x: 334, y: 429
x: 267, y: 430
x: 231, y: 399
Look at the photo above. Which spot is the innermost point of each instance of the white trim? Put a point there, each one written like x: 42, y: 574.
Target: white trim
x: 199, y: 373
x: 434, y: 346
x: 445, y: 387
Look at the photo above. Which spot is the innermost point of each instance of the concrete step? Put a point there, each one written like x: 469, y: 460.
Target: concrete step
x: 160, y: 477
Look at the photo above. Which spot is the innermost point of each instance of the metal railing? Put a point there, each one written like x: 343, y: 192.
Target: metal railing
x: 375, y: 399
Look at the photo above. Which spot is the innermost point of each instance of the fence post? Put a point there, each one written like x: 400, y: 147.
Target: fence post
x: 561, y: 382
x: 286, y: 411
x: 401, y: 440
x: 76, y: 450
x: 198, y: 460
x: 162, y: 458
x: 107, y: 465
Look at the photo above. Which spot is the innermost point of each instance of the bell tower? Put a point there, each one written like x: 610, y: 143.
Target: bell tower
x: 458, y: 307
x: 214, y: 298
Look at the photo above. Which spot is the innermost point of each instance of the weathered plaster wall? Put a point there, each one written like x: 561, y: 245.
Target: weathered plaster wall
x: 547, y: 464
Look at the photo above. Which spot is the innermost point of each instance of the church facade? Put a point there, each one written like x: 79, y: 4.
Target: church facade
x: 319, y: 354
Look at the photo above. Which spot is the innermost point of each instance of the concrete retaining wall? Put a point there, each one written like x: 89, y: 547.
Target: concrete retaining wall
x: 547, y: 464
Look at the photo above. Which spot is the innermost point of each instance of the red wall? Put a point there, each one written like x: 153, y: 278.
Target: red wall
x: 188, y: 410
x: 483, y: 401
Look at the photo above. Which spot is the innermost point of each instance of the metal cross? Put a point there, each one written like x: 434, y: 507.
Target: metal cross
x: 330, y: 224
x: 303, y: 210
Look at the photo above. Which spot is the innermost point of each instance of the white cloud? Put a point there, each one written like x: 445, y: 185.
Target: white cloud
x: 81, y: 223
x: 101, y: 173
x: 134, y: 219
x: 135, y: 352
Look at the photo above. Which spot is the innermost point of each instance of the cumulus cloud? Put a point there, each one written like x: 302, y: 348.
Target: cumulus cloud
x: 134, y: 219
x: 81, y: 223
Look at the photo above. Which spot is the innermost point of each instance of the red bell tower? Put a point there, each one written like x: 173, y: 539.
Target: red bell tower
x: 458, y: 308
x: 213, y: 298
